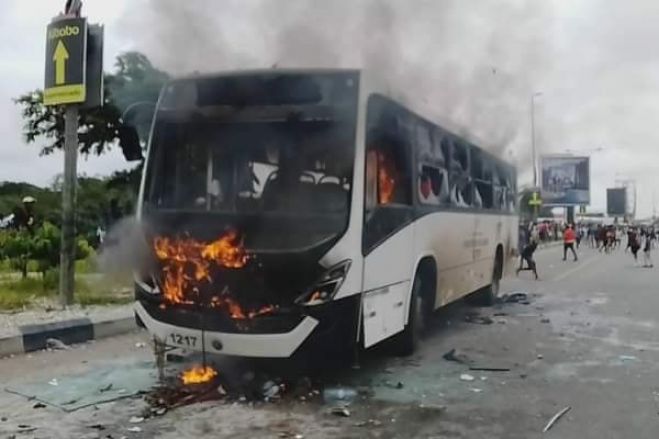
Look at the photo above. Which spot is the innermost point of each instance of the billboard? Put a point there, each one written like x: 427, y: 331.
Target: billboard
x: 565, y: 180
x: 616, y: 201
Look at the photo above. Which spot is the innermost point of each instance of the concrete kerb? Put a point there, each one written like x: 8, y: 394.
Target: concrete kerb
x: 31, y: 338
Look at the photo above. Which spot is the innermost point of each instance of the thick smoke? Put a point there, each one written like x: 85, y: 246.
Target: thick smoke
x: 474, y: 64
x: 125, y: 250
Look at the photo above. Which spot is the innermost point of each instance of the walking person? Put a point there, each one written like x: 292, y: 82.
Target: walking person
x: 634, y: 244
x: 569, y: 238
x: 647, y: 250
x: 527, y: 255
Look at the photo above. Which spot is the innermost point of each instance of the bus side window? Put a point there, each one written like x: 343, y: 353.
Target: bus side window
x: 388, y: 181
x: 433, y: 185
x: 461, y: 192
x: 482, y: 176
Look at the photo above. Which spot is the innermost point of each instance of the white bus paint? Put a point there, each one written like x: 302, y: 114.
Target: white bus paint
x: 461, y: 242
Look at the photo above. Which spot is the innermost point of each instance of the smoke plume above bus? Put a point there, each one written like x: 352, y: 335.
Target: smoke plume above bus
x: 473, y: 65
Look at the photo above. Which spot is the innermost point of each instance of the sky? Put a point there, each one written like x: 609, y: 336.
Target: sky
x: 475, y: 63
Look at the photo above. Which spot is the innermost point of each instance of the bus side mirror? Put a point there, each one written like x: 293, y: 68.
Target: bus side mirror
x: 129, y: 141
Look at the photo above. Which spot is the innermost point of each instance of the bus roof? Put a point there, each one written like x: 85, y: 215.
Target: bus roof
x: 370, y: 83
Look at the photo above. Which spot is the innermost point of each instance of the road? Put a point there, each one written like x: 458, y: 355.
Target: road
x: 587, y: 340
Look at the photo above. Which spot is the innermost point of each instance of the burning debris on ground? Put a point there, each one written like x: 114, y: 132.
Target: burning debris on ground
x: 200, y: 383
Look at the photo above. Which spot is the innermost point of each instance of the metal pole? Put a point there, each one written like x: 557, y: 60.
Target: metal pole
x: 535, y: 166
x: 67, y: 250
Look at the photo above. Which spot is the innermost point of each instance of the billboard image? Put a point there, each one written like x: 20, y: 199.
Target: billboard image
x: 616, y: 201
x: 565, y: 180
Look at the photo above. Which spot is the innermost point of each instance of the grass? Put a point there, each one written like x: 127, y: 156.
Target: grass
x: 25, y: 293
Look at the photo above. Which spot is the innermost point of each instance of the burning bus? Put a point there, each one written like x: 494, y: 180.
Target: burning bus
x: 290, y: 208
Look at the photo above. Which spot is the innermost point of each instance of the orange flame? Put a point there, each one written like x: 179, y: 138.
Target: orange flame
x: 198, y: 374
x: 179, y: 255
x: 386, y: 179
x: 187, y: 263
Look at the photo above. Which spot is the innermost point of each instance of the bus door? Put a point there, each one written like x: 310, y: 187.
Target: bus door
x: 387, y: 242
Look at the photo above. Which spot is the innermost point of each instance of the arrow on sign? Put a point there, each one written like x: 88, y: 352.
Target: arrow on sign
x: 60, y: 57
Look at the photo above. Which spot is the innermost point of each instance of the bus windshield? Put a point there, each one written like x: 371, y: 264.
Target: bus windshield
x: 285, y: 184
x: 283, y: 168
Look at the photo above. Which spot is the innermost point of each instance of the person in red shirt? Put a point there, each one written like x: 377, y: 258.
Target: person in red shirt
x: 569, y: 238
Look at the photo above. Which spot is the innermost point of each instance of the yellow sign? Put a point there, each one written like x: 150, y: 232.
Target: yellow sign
x: 535, y: 200
x: 66, y: 58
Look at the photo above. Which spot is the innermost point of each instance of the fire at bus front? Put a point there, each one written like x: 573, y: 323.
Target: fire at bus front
x: 246, y: 191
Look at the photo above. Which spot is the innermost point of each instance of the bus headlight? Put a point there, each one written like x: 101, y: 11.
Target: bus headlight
x: 146, y: 283
x: 325, y: 288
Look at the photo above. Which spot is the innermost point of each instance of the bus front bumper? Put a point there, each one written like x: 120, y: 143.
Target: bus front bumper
x: 279, y: 345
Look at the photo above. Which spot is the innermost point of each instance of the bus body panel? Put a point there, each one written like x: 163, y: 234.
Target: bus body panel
x: 464, y: 247
x: 244, y: 345
x: 387, y: 273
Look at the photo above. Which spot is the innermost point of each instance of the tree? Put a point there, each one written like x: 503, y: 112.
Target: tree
x: 135, y: 80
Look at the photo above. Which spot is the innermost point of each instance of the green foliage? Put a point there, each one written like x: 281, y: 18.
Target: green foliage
x: 43, y: 246
x: 135, y: 80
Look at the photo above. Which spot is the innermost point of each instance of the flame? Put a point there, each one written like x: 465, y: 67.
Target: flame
x: 188, y: 261
x: 198, y: 374
x: 186, y: 266
x: 386, y: 179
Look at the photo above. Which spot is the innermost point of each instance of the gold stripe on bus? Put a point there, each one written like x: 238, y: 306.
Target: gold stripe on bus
x: 64, y: 94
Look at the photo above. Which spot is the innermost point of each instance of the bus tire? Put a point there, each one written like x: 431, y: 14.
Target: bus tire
x: 406, y: 342
x: 488, y: 295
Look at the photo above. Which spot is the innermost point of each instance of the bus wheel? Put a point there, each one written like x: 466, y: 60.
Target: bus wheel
x: 488, y: 296
x: 406, y: 342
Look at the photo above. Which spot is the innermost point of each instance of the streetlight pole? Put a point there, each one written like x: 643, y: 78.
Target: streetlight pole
x: 533, y: 151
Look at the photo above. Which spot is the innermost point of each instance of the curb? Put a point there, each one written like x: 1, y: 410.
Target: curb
x: 30, y: 338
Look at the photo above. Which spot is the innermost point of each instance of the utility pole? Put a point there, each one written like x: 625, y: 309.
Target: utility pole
x: 71, y: 83
x: 68, y: 247
x: 533, y: 150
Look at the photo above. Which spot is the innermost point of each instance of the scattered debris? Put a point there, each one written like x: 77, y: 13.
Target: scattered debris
x: 489, y: 368
x: 517, y: 297
x: 270, y: 390
x: 221, y: 390
x: 370, y: 422
x: 545, y: 320
x: 39, y: 405
x: 341, y: 411
x: 24, y: 428
x: 467, y: 377
x: 140, y: 345
x: 99, y: 427
x: 476, y: 390
x: 53, y: 382
x: 452, y: 355
x: 134, y: 429
x: 625, y: 358
x: 478, y: 319
x: 159, y: 411
x: 56, y: 344
x: 106, y: 388
x: 555, y: 418
x: 398, y: 385
x: 333, y: 395
x: 136, y: 419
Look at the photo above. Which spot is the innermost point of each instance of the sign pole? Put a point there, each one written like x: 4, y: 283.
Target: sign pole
x: 68, y: 248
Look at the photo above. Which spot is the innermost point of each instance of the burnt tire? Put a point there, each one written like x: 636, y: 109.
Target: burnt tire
x: 406, y: 342
x: 488, y: 295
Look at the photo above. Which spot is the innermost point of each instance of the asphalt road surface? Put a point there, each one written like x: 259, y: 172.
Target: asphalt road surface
x: 587, y: 340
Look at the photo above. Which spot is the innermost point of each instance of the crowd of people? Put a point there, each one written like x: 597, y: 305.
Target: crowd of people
x: 604, y: 238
